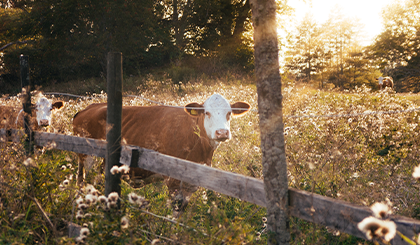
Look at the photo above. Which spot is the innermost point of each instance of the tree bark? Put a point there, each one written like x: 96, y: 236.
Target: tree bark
x: 271, y: 119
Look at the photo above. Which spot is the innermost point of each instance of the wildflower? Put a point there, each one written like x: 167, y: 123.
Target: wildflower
x: 155, y: 241
x: 79, y: 215
x: 90, y: 199
x: 89, y: 189
x: 115, y: 170
x: 124, y: 169
x: 416, y: 173
x: 79, y: 200
x: 63, y: 167
x: 81, y: 239
x: 380, y: 210
x: 102, y: 199
x: 110, y: 205
x: 113, y: 197
x: 88, y: 215
x: 132, y: 198
x: 264, y: 219
x: 66, y: 182
x: 84, y: 231
x: 61, y: 187
x: 124, y: 222
x: 82, y: 206
x: 29, y: 162
x: 376, y: 228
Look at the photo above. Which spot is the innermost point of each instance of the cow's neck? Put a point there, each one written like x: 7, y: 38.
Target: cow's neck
x: 203, y: 134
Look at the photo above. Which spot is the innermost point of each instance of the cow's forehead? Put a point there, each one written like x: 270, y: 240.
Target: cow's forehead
x: 216, y: 102
x: 43, y: 102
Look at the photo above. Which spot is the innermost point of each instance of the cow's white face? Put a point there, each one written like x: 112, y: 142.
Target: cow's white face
x: 217, y: 112
x: 381, y: 80
x: 44, y: 109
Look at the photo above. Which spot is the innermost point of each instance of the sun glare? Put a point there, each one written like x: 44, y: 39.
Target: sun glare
x: 367, y: 11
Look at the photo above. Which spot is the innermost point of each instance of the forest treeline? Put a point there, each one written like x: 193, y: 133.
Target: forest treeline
x: 68, y: 39
x: 331, y: 52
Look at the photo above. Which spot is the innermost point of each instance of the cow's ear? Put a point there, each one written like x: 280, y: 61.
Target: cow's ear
x: 240, y: 108
x: 58, y: 105
x: 194, y: 109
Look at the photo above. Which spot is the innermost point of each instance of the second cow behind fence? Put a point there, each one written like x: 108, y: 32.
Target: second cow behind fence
x: 192, y: 133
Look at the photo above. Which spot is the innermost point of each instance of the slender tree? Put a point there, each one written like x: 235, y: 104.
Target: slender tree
x: 271, y: 119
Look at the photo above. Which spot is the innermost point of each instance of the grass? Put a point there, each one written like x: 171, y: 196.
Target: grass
x: 362, y: 159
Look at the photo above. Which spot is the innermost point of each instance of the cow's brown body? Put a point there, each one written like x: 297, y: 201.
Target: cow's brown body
x: 386, y: 82
x: 12, y: 117
x: 168, y: 130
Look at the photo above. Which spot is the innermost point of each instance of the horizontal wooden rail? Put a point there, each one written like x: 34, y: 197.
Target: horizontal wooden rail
x: 318, y: 209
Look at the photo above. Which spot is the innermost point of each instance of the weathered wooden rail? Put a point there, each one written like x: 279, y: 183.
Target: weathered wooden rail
x: 318, y: 209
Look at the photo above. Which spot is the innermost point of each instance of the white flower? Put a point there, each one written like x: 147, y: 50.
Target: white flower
x: 84, y: 231
x: 79, y: 200
x: 381, y: 210
x: 133, y: 198
x: 124, y: 222
x: 124, y: 169
x: 113, y: 197
x: 416, y: 173
x: 103, y: 199
x: 373, y: 227
x: 115, y: 170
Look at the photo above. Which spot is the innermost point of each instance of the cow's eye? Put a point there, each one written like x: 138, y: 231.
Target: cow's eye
x: 208, y: 114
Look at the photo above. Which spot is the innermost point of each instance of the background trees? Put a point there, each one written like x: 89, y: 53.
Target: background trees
x: 397, y: 48
x: 69, y: 39
x: 330, y: 52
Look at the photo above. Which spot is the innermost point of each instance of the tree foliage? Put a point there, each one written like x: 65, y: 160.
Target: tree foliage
x: 69, y: 39
x: 329, y: 52
x: 397, y: 47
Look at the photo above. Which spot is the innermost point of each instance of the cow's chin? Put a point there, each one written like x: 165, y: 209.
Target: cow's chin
x: 216, y: 142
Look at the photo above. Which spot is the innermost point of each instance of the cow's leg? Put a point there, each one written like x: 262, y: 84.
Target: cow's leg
x: 81, y: 165
x: 140, y: 177
x: 180, y: 193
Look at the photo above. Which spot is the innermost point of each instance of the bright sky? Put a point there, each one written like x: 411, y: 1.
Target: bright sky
x: 367, y: 11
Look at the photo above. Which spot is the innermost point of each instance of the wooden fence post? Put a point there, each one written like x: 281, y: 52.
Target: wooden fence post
x: 113, y: 121
x: 271, y: 119
x: 26, y: 102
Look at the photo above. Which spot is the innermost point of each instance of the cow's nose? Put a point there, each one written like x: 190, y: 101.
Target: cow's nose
x: 222, y: 134
x: 43, y: 123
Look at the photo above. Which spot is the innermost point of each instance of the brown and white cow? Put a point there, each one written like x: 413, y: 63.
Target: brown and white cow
x: 42, y: 112
x: 384, y: 82
x: 192, y: 133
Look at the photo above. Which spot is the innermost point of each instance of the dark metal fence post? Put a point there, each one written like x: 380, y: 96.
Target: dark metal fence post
x: 113, y: 121
x: 26, y: 101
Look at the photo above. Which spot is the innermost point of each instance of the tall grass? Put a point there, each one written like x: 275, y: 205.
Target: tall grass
x: 362, y: 159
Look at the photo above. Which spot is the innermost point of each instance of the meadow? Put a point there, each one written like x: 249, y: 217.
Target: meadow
x: 360, y: 156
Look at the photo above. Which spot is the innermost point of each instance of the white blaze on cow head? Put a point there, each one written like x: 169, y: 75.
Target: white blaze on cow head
x: 217, y: 112
x: 44, y: 109
x: 380, y: 80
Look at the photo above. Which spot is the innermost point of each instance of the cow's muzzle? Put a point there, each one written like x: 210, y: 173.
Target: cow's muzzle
x: 44, y: 123
x: 222, y: 135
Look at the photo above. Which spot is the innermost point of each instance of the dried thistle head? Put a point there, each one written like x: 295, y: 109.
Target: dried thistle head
x: 124, y: 222
x: 376, y: 228
x: 381, y: 210
x: 416, y: 172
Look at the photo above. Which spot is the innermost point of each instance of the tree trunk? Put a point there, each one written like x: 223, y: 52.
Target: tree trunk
x: 271, y: 119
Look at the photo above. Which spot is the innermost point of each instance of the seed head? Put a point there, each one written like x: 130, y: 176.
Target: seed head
x: 416, y: 173
x: 381, y: 210
x: 124, y: 222
x: 115, y: 170
x: 376, y: 228
x: 84, y: 231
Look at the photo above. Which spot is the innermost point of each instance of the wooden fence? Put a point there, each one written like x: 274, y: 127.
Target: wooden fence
x: 318, y: 209
x: 315, y: 208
